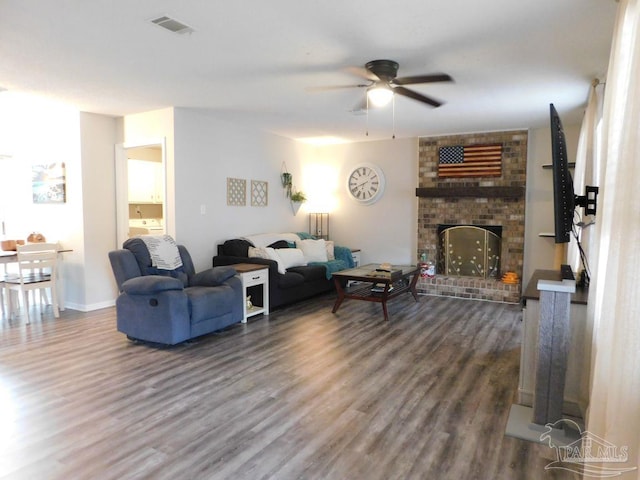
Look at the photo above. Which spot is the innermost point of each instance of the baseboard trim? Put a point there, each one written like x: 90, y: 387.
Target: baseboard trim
x: 91, y: 307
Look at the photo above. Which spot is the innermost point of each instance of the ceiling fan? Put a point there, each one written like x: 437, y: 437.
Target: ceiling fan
x: 383, y: 83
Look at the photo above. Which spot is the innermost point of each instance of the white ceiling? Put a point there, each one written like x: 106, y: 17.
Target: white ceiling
x: 257, y: 62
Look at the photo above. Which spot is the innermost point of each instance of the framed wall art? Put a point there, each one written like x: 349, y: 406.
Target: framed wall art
x: 236, y: 192
x: 48, y: 183
x: 259, y: 193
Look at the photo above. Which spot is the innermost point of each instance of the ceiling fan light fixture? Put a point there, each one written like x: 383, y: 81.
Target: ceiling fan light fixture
x: 380, y: 95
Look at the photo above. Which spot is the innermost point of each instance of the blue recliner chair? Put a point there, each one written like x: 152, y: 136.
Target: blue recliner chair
x: 171, y: 306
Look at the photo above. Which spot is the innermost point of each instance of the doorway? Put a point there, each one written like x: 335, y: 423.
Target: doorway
x: 141, y: 198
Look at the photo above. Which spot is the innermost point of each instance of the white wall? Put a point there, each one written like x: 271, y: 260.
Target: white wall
x: 385, y: 231
x: 98, y: 133
x: 207, y: 151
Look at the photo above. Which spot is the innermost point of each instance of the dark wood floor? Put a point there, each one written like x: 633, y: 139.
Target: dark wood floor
x: 302, y: 394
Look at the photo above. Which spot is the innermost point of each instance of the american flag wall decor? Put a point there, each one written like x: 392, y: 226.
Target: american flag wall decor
x: 470, y: 161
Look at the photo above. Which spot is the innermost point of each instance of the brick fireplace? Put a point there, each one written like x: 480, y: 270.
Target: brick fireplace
x: 480, y: 201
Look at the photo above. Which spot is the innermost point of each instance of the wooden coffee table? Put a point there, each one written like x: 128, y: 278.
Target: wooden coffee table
x: 402, y: 279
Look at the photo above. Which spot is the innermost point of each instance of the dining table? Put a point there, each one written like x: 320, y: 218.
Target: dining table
x: 8, y: 257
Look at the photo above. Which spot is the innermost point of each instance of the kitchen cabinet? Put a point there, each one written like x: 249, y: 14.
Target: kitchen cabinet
x: 146, y: 181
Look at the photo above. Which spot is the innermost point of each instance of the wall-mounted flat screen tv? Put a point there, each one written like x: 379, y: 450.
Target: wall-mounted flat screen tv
x: 563, y: 195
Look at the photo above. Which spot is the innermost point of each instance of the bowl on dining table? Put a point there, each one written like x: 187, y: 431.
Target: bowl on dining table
x: 10, y: 245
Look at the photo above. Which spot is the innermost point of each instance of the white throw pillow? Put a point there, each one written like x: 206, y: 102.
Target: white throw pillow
x: 291, y: 257
x: 313, y: 250
x: 269, y: 254
x: 273, y: 255
x: 330, y: 250
x: 256, y: 252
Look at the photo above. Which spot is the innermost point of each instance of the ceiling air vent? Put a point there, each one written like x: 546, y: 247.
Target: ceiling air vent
x: 172, y: 25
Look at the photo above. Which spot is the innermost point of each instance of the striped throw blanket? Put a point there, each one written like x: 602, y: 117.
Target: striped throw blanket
x: 163, y: 250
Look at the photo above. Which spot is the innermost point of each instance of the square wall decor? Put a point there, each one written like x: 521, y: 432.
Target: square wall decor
x: 259, y: 193
x: 236, y: 192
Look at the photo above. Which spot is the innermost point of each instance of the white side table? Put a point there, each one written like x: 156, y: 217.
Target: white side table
x: 355, y: 253
x: 251, y: 275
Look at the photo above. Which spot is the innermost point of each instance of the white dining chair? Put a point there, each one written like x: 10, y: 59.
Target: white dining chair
x: 36, y: 271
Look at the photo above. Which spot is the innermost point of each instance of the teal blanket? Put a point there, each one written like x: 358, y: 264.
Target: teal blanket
x: 344, y: 254
x: 343, y: 260
x: 331, y: 266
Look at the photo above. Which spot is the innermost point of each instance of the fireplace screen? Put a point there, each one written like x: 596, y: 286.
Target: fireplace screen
x: 469, y: 251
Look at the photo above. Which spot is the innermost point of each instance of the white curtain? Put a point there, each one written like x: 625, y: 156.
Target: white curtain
x: 587, y: 171
x: 614, y: 298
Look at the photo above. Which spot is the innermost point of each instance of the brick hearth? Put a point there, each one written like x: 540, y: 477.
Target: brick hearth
x: 470, y: 287
x: 483, y: 201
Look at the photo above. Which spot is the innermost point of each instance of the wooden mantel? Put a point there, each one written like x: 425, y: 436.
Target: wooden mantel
x: 470, y: 192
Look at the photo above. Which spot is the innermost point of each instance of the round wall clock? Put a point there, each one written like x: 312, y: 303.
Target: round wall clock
x: 365, y: 183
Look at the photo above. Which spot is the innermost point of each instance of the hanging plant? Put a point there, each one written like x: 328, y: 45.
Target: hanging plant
x: 287, y: 180
x: 298, y: 197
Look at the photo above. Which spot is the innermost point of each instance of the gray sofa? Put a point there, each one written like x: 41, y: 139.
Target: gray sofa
x: 297, y: 283
x: 171, y: 306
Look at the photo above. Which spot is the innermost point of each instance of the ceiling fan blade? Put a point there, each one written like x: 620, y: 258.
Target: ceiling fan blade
x: 436, y: 77
x: 333, y: 87
x: 363, y: 73
x: 416, y: 96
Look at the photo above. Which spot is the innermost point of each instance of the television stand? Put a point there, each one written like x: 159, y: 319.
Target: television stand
x: 521, y: 423
x: 553, y: 346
